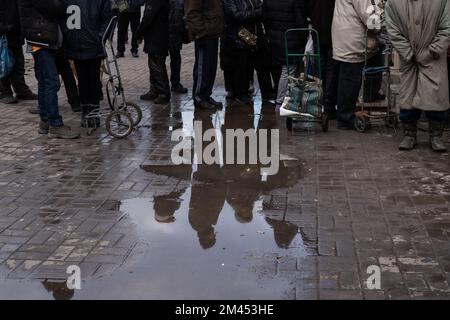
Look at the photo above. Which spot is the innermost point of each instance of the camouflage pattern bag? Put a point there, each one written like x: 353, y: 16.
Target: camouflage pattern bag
x: 305, y: 95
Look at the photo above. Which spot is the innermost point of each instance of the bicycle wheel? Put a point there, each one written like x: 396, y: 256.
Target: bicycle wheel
x: 134, y: 111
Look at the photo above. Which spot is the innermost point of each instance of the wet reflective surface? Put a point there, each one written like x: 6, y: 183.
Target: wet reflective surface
x: 140, y: 227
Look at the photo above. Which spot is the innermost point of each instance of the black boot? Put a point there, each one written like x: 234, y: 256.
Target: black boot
x: 409, y: 141
x: 436, y: 132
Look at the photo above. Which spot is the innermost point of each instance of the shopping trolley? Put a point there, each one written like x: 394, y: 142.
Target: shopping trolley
x: 304, y: 102
x: 122, y: 116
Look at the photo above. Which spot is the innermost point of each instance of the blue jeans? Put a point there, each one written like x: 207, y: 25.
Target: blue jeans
x: 414, y: 115
x: 205, y: 68
x: 48, y: 86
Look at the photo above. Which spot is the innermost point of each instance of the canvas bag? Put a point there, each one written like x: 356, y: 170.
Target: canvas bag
x: 6, y: 58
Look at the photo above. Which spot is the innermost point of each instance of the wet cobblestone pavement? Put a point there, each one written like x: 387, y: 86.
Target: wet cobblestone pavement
x: 141, y: 228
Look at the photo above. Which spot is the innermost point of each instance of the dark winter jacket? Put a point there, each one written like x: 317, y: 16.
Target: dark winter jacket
x: 279, y: 16
x: 86, y: 43
x: 321, y: 13
x: 204, y: 18
x: 241, y: 14
x: 154, y: 27
x: 10, y: 22
x: 177, y: 25
x: 40, y: 21
x: 135, y: 5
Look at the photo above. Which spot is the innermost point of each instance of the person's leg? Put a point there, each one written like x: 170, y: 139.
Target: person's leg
x: 175, y: 67
x: 240, y: 81
x: 49, y: 86
x: 70, y: 83
x: 283, y: 84
x: 122, y: 31
x: 83, y: 86
x: 350, y: 78
x: 206, y: 69
x: 135, y: 19
x: 331, y: 85
x: 409, y: 120
x: 437, y: 123
x: 160, y: 78
x: 372, y: 85
x: 17, y: 76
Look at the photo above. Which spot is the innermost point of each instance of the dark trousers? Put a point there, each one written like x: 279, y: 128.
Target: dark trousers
x: 205, y: 68
x: 89, y: 83
x: 70, y: 83
x: 260, y: 61
x: 236, y: 76
x: 349, y: 86
x: 48, y: 86
x: 16, y: 80
x: 159, y: 80
x: 175, y: 67
x: 414, y: 115
x: 126, y: 19
x: 330, y: 77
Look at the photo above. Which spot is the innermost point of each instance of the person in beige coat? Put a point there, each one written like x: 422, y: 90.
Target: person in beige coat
x: 420, y: 33
x: 351, y: 22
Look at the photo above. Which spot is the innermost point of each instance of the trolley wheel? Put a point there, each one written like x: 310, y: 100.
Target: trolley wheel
x: 325, y: 123
x: 109, y: 94
x: 361, y: 123
x: 290, y: 123
x: 134, y: 111
x: 391, y: 120
x: 119, y: 124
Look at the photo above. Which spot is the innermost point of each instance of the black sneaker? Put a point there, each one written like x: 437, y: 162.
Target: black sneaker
x: 135, y: 54
x: 29, y: 96
x: 149, y: 96
x: 8, y: 99
x: 218, y: 104
x: 120, y: 55
x: 178, y: 88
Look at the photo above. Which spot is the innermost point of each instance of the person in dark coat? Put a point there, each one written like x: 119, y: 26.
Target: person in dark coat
x: 238, y: 55
x: 321, y: 13
x: 10, y: 27
x: 279, y: 16
x: 40, y: 20
x: 154, y: 29
x: 177, y: 31
x: 205, y: 21
x: 132, y: 17
x: 84, y: 46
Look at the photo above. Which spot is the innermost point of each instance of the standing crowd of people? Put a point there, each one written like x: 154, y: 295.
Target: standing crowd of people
x: 248, y: 37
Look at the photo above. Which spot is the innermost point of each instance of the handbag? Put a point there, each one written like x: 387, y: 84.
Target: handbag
x: 248, y: 37
x: 6, y: 58
x: 305, y: 95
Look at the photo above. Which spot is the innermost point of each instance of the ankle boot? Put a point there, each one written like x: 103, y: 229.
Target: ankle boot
x: 409, y: 141
x: 436, y: 132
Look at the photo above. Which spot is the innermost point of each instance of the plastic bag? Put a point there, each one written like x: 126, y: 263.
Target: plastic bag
x: 310, y: 60
x: 6, y: 58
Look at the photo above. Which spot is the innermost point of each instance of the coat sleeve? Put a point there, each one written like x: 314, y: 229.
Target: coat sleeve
x: 399, y: 41
x: 152, y: 9
x: 53, y: 9
x: 194, y: 17
x: 442, y: 39
x: 361, y: 7
x: 236, y: 15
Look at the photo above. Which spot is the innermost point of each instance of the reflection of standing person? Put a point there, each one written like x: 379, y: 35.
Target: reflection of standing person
x: 129, y: 17
x: 420, y: 32
x: 177, y: 30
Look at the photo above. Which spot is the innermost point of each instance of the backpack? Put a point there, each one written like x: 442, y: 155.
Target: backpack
x: 6, y: 58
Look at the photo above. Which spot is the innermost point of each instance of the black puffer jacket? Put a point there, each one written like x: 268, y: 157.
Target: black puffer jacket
x: 241, y: 14
x: 177, y: 25
x: 10, y: 23
x: 321, y: 13
x: 154, y: 27
x: 86, y: 43
x: 279, y: 16
x: 40, y: 21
